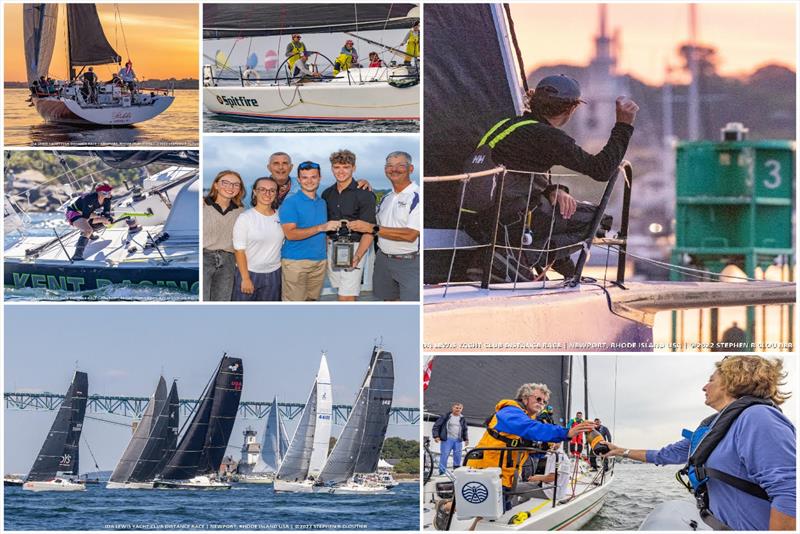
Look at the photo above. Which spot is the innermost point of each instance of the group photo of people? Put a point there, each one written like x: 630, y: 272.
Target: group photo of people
x: 338, y: 219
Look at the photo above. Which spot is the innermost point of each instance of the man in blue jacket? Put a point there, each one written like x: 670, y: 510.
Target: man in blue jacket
x: 450, y: 432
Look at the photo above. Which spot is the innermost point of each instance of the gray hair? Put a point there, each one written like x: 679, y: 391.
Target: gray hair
x: 279, y: 154
x: 526, y: 390
x: 400, y: 154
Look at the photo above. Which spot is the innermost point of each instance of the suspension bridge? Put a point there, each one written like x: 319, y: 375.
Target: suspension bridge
x: 133, y: 407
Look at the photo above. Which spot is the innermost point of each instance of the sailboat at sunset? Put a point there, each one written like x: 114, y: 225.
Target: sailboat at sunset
x: 77, y: 99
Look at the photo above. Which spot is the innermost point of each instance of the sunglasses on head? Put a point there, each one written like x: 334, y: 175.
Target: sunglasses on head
x: 308, y: 165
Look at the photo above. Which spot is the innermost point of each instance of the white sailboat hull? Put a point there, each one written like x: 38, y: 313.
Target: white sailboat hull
x: 354, y: 489
x: 196, y: 483
x: 256, y: 479
x: 53, y: 485
x: 293, y: 487
x: 129, y: 485
x: 328, y: 102
x: 674, y: 515
x: 68, y: 111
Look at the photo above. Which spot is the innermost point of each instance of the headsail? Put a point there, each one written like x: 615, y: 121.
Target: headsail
x: 499, y: 376
x: 222, y: 21
x: 134, y: 456
x: 358, y: 448
x: 203, y: 444
x: 39, y: 22
x: 298, y: 460
x: 322, y: 431
x: 88, y: 44
x: 275, y: 443
x: 59, y: 453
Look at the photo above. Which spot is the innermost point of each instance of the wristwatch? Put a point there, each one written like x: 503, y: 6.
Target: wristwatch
x: 626, y: 453
x: 375, y: 229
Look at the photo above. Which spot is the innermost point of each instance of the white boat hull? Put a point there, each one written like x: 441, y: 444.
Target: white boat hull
x: 196, y: 483
x: 326, y: 102
x: 293, y: 487
x: 250, y: 479
x: 674, y: 515
x: 129, y: 485
x: 353, y: 489
x: 68, y: 111
x: 52, y: 485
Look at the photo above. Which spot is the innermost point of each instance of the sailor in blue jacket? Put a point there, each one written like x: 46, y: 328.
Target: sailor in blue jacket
x: 741, y: 462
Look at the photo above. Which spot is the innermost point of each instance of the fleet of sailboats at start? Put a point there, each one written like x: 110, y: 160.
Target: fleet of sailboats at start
x: 156, y: 458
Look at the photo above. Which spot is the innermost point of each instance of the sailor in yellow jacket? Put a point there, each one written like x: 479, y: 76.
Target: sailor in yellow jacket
x: 412, y: 44
x: 514, y: 424
x: 348, y: 57
x: 295, y: 50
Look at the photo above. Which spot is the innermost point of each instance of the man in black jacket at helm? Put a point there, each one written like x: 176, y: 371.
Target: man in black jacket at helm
x: 533, y: 143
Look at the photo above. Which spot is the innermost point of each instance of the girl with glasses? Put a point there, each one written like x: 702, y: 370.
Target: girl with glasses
x: 221, y: 208
x: 257, y: 241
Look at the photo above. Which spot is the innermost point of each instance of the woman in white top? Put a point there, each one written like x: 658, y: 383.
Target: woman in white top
x: 257, y: 241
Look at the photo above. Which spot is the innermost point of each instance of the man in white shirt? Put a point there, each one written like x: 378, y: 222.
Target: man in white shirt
x: 396, y: 275
x: 555, y: 457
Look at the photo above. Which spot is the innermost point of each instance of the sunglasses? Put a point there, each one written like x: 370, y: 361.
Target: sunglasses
x: 308, y: 165
x: 540, y: 400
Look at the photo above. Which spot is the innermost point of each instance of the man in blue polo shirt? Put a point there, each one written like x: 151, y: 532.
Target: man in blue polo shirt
x: 304, y: 217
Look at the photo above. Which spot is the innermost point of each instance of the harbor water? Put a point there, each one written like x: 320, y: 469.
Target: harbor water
x: 177, y: 126
x: 214, y: 123
x: 636, y: 490
x: 245, y: 507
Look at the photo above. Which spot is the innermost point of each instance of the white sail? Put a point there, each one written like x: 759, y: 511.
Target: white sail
x: 322, y: 432
x: 275, y: 443
x: 39, y: 27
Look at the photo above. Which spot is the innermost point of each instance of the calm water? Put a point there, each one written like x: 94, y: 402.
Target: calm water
x: 43, y: 224
x: 245, y: 507
x: 177, y: 126
x: 636, y: 490
x: 214, y: 123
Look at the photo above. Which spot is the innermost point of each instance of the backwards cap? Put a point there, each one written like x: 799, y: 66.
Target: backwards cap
x: 560, y: 87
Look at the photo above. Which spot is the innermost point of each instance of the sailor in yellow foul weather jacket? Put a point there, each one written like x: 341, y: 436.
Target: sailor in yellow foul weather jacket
x: 347, y: 58
x: 412, y: 44
x: 514, y: 424
x: 294, y: 50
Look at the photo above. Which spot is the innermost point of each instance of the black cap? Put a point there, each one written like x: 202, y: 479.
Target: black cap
x: 561, y: 87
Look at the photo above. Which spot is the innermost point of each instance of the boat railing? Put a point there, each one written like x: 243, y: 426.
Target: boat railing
x: 462, y: 241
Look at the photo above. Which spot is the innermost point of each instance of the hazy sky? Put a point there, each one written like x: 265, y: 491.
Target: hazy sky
x: 162, y: 40
x: 249, y: 155
x: 746, y: 35
x: 656, y: 395
x: 123, y: 348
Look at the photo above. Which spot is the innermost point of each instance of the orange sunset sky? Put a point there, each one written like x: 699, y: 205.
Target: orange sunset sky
x: 746, y: 35
x: 163, y: 40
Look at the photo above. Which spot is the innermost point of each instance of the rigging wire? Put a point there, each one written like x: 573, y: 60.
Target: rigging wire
x: 126, y: 425
x: 122, y: 29
x: 86, y: 442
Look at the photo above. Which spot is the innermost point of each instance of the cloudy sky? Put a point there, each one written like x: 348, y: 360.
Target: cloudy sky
x: 249, y: 155
x: 124, y: 348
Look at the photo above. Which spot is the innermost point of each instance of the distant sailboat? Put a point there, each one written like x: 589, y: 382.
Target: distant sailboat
x: 357, y: 451
x: 273, y: 449
x: 309, y: 446
x: 195, y: 462
x: 69, y: 101
x: 57, y: 462
x: 155, y: 437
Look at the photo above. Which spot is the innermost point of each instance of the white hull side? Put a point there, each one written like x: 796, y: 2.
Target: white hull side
x: 65, y: 110
x: 196, y: 483
x: 129, y: 485
x: 250, y: 479
x: 316, y: 102
x: 53, y: 486
x: 293, y: 487
x: 674, y: 515
x: 355, y: 489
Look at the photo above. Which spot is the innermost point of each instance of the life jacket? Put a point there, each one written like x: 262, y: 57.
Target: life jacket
x: 412, y: 46
x: 343, y: 62
x: 510, y: 462
x: 702, y: 443
x: 479, y: 193
x: 297, y: 53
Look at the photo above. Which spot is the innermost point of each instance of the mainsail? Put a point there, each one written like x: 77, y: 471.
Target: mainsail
x: 499, y: 378
x: 203, y: 444
x: 358, y: 448
x: 88, y: 44
x: 171, y: 434
x: 152, y: 439
x: 303, y: 456
x: 222, y: 21
x: 39, y: 22
x: 59, y: 453
x: 275, y: 443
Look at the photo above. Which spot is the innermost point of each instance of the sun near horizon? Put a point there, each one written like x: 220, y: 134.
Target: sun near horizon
x: 162, y: 40
x: 746, y: 36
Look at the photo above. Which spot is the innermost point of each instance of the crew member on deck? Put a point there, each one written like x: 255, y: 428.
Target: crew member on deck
x: 128, y: 76
x: 348, y: 57
x: 294, y: 50
x: 87, y: 212
x: 412, y: 44
x: 90, y: 85
x: 533, y: 143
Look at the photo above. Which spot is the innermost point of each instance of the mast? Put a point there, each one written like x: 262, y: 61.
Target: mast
x: 70, y: 70
x: 585, y: 387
